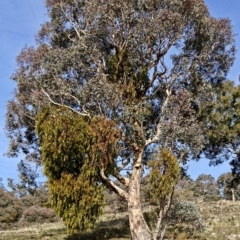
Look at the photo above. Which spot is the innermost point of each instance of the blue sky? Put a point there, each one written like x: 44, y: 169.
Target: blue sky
x: 20, y: 21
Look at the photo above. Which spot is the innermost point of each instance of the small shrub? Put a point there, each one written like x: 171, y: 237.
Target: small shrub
x: 186, y: 213
x: 40, y: 198
x: 10, y: 209
x: 37, y: 214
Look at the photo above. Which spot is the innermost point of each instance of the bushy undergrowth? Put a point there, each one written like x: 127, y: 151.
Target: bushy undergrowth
x: 114, y: 203
x: 184, y: 218
x: 40, y: 198
x: 222, y: 218
x: 36, y: 214
x: 17, y: 212
x: 185, y: 215
x: 10, y: 209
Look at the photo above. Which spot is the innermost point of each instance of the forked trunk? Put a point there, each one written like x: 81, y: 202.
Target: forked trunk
x: 138, y: 226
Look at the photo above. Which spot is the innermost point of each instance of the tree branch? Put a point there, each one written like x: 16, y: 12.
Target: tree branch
x: 71, y: 21
x: 125, y: 181
x: 158, y: 128
x: 62, y: 105
x: 120, y: 168
x: 162, y: 213
x: 113, y: 187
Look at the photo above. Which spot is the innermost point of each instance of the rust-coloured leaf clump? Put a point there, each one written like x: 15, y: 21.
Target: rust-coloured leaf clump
x: 73, y: 150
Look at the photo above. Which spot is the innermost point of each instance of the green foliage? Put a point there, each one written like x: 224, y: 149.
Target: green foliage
x: 205, y: 185
x: 122, y: 73
x: 164, y: 172
x: 72, y: 183
x: 229, y: 186
x: 73, y: 149
x: 57, y: 132
x: 222, y: 125
x: 77, y: 200
x: 187, y: 212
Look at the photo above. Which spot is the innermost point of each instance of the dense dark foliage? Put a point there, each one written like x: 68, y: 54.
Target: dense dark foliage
x: 222, y: 126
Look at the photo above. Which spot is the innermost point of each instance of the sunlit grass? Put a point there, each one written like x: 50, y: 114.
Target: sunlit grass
x: 222, y: 219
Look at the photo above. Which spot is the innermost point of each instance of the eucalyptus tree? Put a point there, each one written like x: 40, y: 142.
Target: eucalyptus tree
x: 132, y: 72
x: 229, y: 186
x: 205, y: 185
x: 27, y: 183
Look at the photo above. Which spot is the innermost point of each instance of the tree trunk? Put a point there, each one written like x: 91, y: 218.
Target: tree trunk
x: 233, y: 194
x: 138, y: 226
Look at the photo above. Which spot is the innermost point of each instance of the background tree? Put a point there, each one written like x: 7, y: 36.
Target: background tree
x: 27, y: 183
x: 222, y: 126
x: 40, y: 198
x: 184, y: 188
x: 205, y: 185
x: 107, y: 62
x: 1, y: 185
x: 229, y: 186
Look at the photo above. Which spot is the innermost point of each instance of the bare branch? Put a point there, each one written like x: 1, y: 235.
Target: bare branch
x: 71, y: 21
x: 159, y: 125
x: 113, y: 187
x: 120, y: 168
x: 62, y: 105
x: 125, y: 181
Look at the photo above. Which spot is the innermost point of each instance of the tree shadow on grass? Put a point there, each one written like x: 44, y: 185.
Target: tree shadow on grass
x: 117, y: 228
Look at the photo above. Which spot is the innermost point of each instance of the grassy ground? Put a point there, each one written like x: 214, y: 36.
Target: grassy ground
x: 222, y: 219
x: 114, y: 227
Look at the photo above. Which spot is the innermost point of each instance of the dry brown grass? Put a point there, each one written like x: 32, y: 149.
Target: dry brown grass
x: 222, y: 218
x: 114, y: 227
